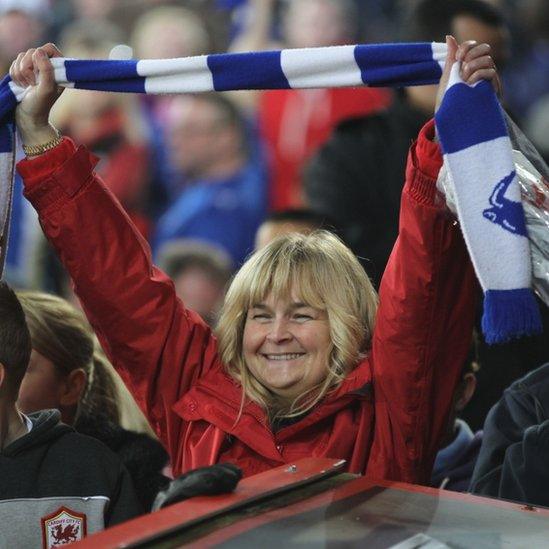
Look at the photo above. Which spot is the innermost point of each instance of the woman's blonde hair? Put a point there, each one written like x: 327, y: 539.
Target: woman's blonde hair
x: 320, y: 270
x: 60, y: 333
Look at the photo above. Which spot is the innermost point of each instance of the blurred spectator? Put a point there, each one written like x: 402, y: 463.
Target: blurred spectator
x: 294, y: 123
x: 527, y: 77
x: 290, y: 221
x: 312, y: 23
x: 93, y: 10
x: 220, y: 197
x: 22, y: 26
x: 356, y: 177
x: 68, y: 371
x: 513, y: 459
x: 502, y: 365
x: 536, y: 125
x: 465, y: 19
x: 379, y: 20
x: 24, y: 240
x: 169, y: 31
x: 200, y: 273
x: 163, y: 31
x: 45, y: 467
x: 455, y: 461
x: 111, y: 125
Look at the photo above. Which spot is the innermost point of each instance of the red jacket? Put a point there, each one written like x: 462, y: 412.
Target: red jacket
x: 294, y: 123
x: 386, y: 418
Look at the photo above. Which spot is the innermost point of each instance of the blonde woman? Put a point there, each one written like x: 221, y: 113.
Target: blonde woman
x: 68, y: 371
x: 299, y: 367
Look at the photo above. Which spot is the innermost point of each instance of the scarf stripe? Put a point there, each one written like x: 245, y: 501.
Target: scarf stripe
x: 470, y: 126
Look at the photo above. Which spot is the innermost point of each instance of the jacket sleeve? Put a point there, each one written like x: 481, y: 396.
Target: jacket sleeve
x: 157, y: 346
x: 423, y: 327
x: 512, y: 463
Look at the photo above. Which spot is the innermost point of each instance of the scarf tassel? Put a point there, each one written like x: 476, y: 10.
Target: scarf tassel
x: 509, y: 314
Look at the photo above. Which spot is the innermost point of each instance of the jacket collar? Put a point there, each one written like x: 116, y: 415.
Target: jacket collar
x: 216, y: 398
x: 46, y: 426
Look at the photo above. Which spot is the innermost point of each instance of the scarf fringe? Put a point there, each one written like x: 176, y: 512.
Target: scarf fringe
x: 509, y: 314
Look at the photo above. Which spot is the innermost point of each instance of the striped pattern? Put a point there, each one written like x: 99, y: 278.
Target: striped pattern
x: 470, y: 119
x: 478, y: 155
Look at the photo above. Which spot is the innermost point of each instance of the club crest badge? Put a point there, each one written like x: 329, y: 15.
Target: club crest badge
x: 63, y: 527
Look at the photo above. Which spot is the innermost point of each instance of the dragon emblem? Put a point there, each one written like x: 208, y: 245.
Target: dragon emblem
x: 62, y: 536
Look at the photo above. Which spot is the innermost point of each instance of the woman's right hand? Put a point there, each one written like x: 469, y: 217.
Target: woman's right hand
x: 33, y: 69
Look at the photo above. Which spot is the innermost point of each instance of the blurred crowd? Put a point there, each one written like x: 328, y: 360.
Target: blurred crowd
x: 209, y: 178
x: 208, y: 168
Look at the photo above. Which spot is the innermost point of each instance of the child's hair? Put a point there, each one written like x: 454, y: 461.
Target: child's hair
x: 60, y: 333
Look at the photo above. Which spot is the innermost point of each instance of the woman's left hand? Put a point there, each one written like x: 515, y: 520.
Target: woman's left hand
x: 476, y: 65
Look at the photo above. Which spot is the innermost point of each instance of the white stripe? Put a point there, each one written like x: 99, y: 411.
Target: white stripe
x: 476, y: 171
x: 321, y: 67
x: 18, y: 91
x: 439, y: 53
x: 60, y: 71
x: 189, y: 74
x: 455, y: 77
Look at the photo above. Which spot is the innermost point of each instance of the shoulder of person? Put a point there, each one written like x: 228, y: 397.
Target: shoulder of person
x: 534, y: 384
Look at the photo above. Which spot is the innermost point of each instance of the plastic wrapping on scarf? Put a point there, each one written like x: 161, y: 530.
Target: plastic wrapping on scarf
x: 533, y: 175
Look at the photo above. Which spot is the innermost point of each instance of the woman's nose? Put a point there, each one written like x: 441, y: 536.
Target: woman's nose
x: 279, y: 330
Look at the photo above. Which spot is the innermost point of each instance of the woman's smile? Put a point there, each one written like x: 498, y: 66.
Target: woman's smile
x: 282, y: 356
x: 287, y: 345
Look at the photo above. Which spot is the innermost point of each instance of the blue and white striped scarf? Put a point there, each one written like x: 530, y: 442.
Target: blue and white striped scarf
x: 470, y: 126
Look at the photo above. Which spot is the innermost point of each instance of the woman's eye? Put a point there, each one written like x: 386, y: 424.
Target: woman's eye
x: 303, y: 317
x: 260, y: 316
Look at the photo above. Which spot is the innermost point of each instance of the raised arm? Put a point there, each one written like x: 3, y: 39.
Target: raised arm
x: 158, y: 347
x: 425, y: 319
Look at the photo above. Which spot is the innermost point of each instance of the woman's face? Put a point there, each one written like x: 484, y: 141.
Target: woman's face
x: 287, y: 345
x: 41, y: 387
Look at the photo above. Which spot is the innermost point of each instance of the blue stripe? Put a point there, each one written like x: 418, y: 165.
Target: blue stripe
x: 397, y: 64
x: 129, y: 85
x: 7, y: 100
x: 254, y: 71
x: 102, y: 69
x: 16, y: 256
x: 6, y: 138
x: 469, y: 116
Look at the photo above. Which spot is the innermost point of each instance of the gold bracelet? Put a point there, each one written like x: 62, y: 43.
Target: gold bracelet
x: 35, y: 150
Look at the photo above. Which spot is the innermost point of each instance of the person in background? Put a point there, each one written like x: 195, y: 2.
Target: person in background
x: 68, y: 371
x: 165, y: 32
x: 21, y: 27
x: 356, y: 177
x: 298, y: 220
x: 218, y: 192
x: 48, y: 472
x: 513, y: 463
x: 200, y: 273
x: 298, y: 367
x: 294, y: 123
x: 455, y: 461
x: 526, y: 79
x: 112, y: 126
